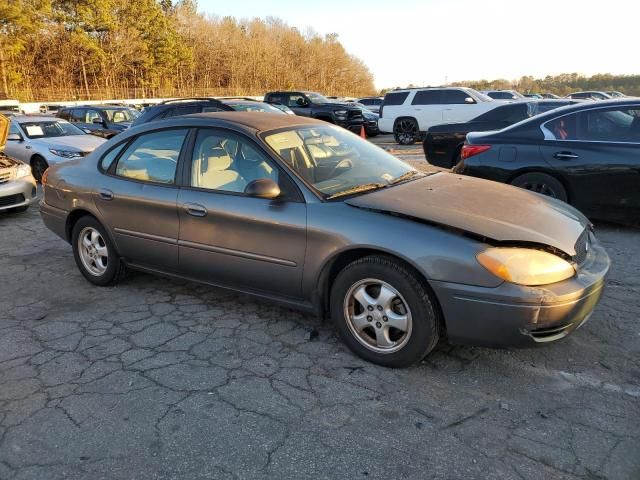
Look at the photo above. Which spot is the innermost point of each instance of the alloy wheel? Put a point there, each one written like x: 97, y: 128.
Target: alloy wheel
x: 377, y: 315
x: 406, y: 131
x: 93, y: 251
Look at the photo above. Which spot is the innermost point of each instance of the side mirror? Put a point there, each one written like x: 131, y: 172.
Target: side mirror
x: 97, y: 121
x: 14, y: 137
x: 263, y: 188
x: 469, y: 100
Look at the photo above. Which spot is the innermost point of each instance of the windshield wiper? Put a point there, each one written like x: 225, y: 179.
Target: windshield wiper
x: 405, y: 176
x: 365, y: 187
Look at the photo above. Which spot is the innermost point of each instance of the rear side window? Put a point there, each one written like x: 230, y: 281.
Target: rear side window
x: 454, y: 97
x: 77, y: 115
x: 427, y: 97
x: 65, y: 114
x: 397, y: 98
x: 152, y: 157
x: 602, y: 125
x: 281, y: 99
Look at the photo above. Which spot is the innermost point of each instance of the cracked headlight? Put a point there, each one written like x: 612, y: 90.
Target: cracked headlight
x: 525, y: 266
x: 65, y: 153
x: 23, y: 171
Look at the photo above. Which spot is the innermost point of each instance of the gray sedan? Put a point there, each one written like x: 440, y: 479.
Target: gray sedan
x: 42, y: 141
x: 309, y: 215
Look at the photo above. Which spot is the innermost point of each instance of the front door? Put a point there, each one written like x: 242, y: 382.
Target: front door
x: 230, y: 238
x: 137, y: 197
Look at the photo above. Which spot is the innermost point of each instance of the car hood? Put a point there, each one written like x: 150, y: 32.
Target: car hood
x: 4, y: 131
x: 488, y: 209
x: 81, y: 143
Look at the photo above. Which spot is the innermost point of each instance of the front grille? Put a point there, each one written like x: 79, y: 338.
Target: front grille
x: 11, y: 200
x: 5, y: 176
x: 355, y: 115
x: 581, y: 247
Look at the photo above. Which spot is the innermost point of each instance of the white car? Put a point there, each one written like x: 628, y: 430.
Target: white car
x: 43, y: 141
x: 410, y: 112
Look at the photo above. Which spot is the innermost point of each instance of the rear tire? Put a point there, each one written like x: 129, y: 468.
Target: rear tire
x: 384, y: 312
x: 95, y: 255
x: 406, y: 131
x: 541, y: 183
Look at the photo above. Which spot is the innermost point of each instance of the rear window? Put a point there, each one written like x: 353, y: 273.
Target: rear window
x: 397, y: 98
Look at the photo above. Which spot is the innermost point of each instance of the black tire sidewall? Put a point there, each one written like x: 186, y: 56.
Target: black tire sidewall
x: 34, y: 161
x: 110, y: 276
x: 425, y: 331
x: 554, y: 183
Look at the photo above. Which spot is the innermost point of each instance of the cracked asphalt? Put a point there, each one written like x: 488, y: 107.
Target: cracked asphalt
x: 163, y: 379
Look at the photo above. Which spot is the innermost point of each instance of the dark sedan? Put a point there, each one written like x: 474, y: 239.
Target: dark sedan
x: 586, y: 154
x: 443, y: 143
x: 310, y: 215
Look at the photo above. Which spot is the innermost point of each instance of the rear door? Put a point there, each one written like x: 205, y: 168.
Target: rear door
x: 137, y: 197
x: 426, y: 108
x: 598, y: 151
x: 230, y: 238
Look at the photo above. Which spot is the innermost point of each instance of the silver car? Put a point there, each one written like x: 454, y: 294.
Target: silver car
x: 310, y: 215
x: 42, y: 141
x: 17, y: 185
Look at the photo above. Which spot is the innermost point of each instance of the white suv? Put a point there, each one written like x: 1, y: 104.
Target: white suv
x: 408, y: 113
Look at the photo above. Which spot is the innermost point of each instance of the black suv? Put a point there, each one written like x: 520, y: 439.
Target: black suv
x: 101, y: 120
x: 312, y: 104
x: 179, y: 107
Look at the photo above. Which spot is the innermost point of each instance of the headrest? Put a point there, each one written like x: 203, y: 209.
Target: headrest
x: 217, y: 159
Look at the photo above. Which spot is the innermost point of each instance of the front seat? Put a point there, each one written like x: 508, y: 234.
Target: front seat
x: 212, y: 171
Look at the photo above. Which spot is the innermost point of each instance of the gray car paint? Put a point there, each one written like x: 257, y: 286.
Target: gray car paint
x: 286, y: 250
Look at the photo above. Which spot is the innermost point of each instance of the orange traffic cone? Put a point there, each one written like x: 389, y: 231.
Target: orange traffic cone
x: 363, y: 132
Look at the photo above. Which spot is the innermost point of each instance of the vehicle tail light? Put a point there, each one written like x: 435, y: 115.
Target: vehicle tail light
x: 472, y: 150
x: 43, y: 180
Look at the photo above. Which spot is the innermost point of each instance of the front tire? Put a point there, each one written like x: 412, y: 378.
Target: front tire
x: 384, y: 312
x: 406, y: 131
x: 38, y: 166
x: 541, y: 183
x: 94, y: 253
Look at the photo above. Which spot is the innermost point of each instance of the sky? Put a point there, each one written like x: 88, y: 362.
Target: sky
x: 432, y: 42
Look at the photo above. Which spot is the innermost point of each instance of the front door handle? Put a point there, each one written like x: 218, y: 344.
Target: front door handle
x: 105, y: 194
x: 195, y: 209
x: 565, y: 156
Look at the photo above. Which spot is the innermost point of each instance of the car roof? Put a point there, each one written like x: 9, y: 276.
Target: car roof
x: 257, y: 121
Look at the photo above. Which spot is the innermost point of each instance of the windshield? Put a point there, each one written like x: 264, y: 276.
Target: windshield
x: 50, y: 128
x: 334, y: 161
x: 255, y: 107
x: 120, y: 115
x: 317, y: 98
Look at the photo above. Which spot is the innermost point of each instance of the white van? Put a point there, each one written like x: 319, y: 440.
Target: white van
x: 409, y: 113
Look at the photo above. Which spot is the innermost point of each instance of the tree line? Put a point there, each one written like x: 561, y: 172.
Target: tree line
x: 562, y: 84
x: 100, y: 49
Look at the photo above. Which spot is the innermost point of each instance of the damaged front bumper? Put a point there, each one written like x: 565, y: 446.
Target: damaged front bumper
x: 520, y: 316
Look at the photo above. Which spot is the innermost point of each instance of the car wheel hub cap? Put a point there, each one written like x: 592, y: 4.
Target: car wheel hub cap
x: 378, y: 316
x: 93, y: 251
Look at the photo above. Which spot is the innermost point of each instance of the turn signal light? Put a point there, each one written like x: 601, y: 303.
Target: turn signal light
x: 472, y: 150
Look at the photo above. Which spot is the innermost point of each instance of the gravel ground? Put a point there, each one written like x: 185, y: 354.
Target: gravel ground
x: 164, y: 379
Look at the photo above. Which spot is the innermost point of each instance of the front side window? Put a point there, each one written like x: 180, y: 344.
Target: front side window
x: 228, y: 163
x: 334, y: 161
x: 454, y: 97
x: 77, y: 115
x: 119, y: 115
x: 92, y: 115
x: 620, y: 124
x: 296, y: 101
x: 152, y: 157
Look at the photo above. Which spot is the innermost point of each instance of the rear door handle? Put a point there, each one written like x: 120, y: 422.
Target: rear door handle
x: 105, y: 194
x: 195, y: 209
x: 565, y: 156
